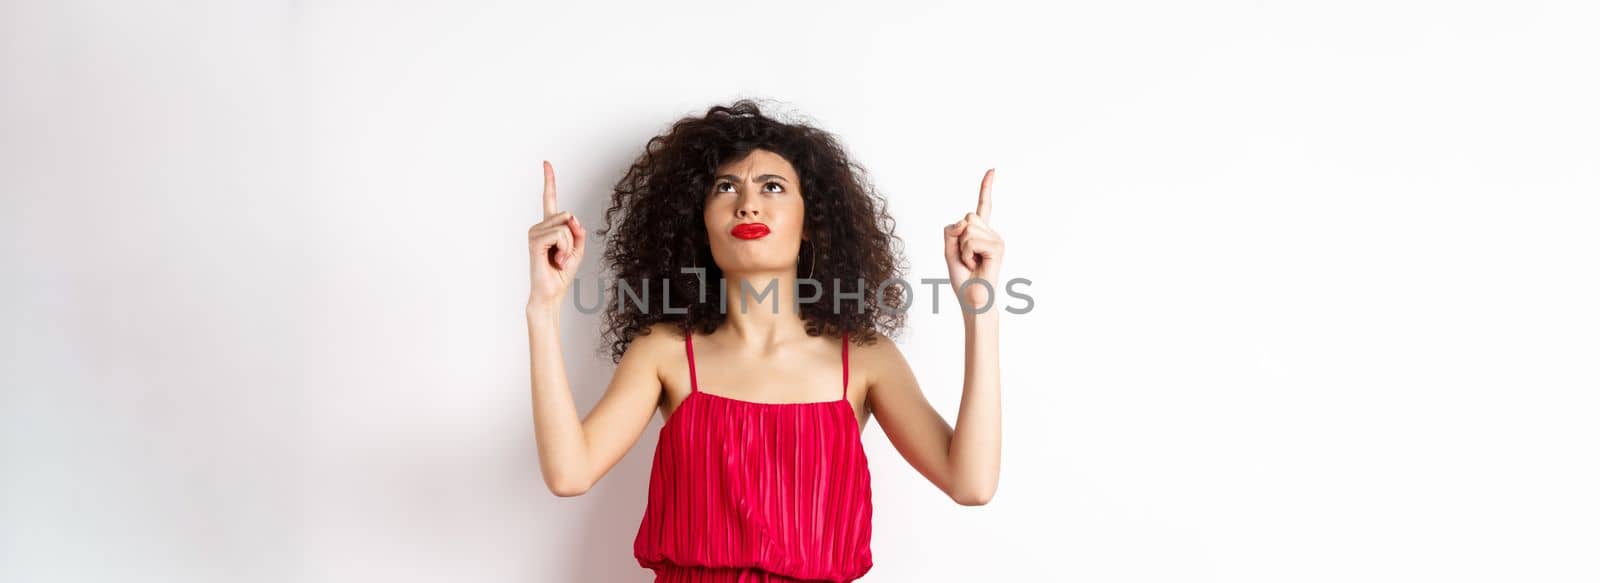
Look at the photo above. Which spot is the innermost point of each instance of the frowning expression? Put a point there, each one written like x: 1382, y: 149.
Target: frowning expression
x: 754, y: 214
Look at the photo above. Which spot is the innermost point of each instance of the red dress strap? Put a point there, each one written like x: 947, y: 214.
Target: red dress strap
x: 688, y: 346
x: 845, y: 355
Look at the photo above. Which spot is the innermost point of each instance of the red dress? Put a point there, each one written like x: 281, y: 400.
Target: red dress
x: 742, y: 491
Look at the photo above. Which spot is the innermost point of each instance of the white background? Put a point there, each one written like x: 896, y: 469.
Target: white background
x: 1315, y: 284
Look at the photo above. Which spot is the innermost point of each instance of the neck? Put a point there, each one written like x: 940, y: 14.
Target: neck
x: 750, y: 311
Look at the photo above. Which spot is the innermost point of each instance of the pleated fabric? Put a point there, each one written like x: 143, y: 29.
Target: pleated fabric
x: 742, y: 491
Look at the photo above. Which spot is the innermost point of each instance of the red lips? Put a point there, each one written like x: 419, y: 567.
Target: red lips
x: 750, y: 230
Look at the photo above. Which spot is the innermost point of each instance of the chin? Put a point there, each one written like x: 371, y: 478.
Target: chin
x: 760, y: 267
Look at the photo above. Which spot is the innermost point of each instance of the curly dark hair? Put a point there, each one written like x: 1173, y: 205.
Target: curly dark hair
x: 658, y: 226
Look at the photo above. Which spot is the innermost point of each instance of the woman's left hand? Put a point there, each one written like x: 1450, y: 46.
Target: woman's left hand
x: 972, y: 249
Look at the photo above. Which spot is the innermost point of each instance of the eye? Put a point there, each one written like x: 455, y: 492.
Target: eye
x: 719, y: 185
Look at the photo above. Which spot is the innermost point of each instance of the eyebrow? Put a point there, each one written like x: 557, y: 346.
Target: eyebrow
x: 758, y: 178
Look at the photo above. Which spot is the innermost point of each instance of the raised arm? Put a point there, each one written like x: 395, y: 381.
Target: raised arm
x: 964, y: 462
x: 574, y: 453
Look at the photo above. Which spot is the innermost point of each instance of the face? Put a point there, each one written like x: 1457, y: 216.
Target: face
x: 761, y: 189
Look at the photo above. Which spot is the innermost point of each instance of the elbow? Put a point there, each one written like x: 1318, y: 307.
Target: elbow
x: 569, y: 491
x: 567, y: 488
x: 973, y: 496
x: 567, y: 476
x: 972, y: 499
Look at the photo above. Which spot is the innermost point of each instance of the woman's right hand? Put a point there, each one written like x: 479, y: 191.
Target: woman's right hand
x: 555, y: 250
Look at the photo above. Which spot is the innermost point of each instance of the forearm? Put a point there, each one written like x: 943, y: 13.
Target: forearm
x: 558, y: 429
x: 975, y: 444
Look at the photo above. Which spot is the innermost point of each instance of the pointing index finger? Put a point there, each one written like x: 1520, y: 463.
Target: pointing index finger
x: 984, y: 197
x: 549, y: 189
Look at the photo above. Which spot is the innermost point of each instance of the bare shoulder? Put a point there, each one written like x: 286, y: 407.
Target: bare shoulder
x: 880, y: 351
x: 639, y: 383
x: 659, y: 349
x: 655, y: 344
x: 881, y: 366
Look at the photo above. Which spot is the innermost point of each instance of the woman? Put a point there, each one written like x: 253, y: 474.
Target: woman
x: 759, y: 474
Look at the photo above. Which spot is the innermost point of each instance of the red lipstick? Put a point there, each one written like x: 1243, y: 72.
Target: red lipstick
x: 750, y: 230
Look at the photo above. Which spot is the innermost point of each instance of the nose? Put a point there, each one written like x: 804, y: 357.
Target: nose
x: 748, y: 212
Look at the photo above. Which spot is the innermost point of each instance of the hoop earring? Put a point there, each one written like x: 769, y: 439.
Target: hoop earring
x: 813, y: 270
